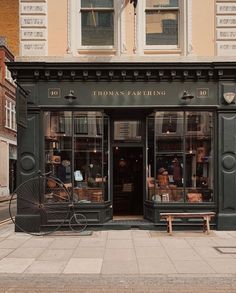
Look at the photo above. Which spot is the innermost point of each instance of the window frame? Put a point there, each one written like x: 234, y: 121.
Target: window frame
x: 10, y: 114
x: 8, y: 76
x: 141, y: 27
x: 80, y: 47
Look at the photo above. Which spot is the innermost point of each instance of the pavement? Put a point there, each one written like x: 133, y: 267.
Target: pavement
x: 4, y: 198
x: 118, y: 261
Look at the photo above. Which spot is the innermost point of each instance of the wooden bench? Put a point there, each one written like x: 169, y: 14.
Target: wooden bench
x: 206, y: 216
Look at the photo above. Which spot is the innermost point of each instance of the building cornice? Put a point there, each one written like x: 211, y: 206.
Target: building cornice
x: 118, y: 71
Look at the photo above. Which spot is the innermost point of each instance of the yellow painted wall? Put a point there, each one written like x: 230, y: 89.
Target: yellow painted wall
x: 129, y: 23
x: 203, y: 32
x: 57, y: 27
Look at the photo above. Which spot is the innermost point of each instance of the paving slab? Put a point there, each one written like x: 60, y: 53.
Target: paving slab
x: 117, y: 267
x: 223, y: 265
x: 119, y: 254
x: 149, y: 252
x: 46, y: 267
x: 156, y: 266
x: 89, y: 252
x: 183, y: 254
x: 56, y: 255
x: 116, y: 252
x: 119, y: 243
x: 64, y: 243
x: 83, y: 266
x: 146, y: 242
x: 30, y: 252
x: 193, y: 267
x: 15, y: 265
x: 12, y: 243
x: 5, y: 252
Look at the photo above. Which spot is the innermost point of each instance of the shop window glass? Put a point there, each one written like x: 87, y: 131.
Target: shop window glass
x: 169, y: 156
x: 88, y: 158
x: 180, y: 164
x: 162, y: 22
x: 77, y: 153
x: 58, y: 146
x: 150, y: 158
x: 199, y: 163
x: 97, y: 23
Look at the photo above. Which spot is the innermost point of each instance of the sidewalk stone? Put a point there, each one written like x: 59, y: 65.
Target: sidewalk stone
x: 117, y: 261
x: 84, y: 266
x: 14, y: 265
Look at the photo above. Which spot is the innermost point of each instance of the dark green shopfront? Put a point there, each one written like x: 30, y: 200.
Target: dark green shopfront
x: 130, y: 140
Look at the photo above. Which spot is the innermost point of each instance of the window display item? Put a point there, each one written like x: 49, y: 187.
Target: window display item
x: 194, y: 197
x: 78, y: 175
x: 55, y: 160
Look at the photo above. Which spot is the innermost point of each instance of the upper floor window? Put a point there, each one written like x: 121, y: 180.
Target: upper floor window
x: 162, y: 23
x: 10, y: 114
x: 97, y: 23
x: 8, y: 73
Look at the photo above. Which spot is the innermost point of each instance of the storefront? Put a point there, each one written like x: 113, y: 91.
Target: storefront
x: 131, y: 138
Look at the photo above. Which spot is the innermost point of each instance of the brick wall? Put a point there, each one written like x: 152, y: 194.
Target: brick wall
x: 6, y: 89
x: 9, y: 23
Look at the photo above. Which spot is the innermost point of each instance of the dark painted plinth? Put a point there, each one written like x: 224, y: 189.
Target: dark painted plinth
x: 226, y: 221
x: 27, y: 223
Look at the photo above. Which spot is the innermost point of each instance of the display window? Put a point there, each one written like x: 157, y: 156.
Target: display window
x: 180, y: 157
x: 76, y: 152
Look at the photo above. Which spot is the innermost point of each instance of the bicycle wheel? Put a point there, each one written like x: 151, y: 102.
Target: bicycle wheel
x: 78, y: 222
x: 37, y: 197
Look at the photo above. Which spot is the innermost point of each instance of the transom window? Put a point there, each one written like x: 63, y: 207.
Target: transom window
x: 97, y: 22
x: 162, y: 23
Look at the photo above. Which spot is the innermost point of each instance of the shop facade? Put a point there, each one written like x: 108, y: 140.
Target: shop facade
x: 131, y: 139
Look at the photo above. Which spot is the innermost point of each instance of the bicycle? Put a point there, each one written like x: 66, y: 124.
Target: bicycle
x: 46, y: 196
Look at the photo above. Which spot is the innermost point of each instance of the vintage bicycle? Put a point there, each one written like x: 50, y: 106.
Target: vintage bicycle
x: 48, y: 197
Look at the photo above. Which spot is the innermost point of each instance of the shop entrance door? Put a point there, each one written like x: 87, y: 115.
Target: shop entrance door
x: 127, y: 180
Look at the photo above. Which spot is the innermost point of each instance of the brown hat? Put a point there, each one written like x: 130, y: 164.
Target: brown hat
x: 161, y: 170
x: 175, y: 160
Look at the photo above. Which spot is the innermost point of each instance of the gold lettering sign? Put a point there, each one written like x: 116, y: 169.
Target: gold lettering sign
x: 129, y: 93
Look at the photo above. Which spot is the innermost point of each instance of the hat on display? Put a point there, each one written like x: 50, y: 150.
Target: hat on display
x: 161, y: 170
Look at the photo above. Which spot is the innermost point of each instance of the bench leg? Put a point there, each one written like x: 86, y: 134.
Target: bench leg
x: 169, y: 225
x: 206, y: 225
